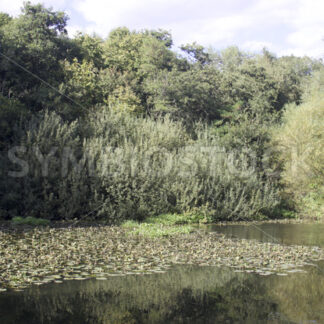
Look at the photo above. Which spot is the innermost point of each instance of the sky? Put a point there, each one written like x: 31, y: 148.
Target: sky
x: 284, y: 27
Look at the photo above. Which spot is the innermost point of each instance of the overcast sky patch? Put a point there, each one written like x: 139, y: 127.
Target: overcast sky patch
x: 283, y: 26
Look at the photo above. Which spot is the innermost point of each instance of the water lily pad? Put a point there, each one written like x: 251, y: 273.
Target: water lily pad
x: 82, y: 253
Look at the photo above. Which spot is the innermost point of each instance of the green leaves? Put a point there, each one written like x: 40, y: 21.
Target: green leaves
x: 190, y: 95
x: 300, y: 144
x: 34, y: 40
x: 197, y: 53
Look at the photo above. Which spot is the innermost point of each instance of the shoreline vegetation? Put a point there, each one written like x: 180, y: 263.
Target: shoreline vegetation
x: 21, y: 223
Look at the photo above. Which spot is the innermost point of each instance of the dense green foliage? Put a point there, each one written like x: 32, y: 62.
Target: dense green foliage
x: 133, y: 168
x: 126, y: 128
x: 300, y: 144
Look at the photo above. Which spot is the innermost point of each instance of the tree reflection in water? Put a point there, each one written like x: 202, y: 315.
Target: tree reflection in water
x: 185, y: 294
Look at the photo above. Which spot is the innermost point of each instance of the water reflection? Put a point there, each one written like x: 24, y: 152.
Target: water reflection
x: 186, y: 294
x: 300, y: 234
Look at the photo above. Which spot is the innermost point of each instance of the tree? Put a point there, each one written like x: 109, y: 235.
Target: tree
x: 162, y: 36
x: 81, y: 84
x: 91, y: 49
x: 190, y: 95
x: 197, y: 53
x: 4, y: 19
x: 134, y: 57
x: 35, y: 41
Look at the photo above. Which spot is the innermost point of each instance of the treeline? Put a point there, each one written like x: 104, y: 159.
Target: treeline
x: 125, y: 127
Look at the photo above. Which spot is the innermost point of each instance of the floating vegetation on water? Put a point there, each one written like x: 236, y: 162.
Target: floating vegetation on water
x: 43, y: 255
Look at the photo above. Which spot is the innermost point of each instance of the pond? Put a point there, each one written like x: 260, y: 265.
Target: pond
x: 300, y: 234
x: 186, y: 293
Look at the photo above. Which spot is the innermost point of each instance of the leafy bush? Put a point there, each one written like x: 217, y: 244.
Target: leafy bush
x: 311, y: 204
x: 159, y: 174
x: 300, y: 143
x: 131, y: 168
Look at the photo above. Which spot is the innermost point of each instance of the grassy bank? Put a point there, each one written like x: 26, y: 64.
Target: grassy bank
x: 165, y: 225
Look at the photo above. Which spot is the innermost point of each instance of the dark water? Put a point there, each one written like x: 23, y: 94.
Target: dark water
x: 185, y: 294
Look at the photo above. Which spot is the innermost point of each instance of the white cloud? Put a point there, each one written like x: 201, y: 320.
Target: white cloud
x: 207, y: 22
x: 208, y: 31
x: 301, y: 51
x: 12, y: 7
x: 304, y: 19
x: 308, y: 24
x: 306, y: 37
x: 308, y: 13
x: 74, y: 29
x: 284, y: 26
x: 190, y: 21
x: 256, y: 46
x: 275, y: 8
x: 106, y: 15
